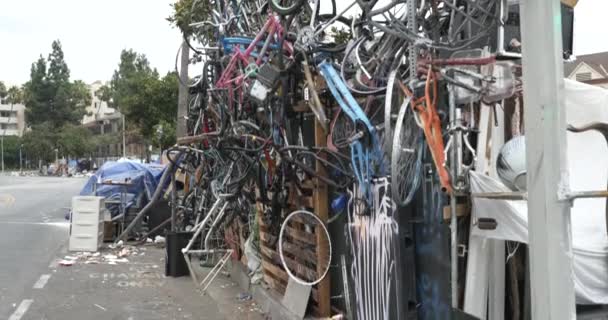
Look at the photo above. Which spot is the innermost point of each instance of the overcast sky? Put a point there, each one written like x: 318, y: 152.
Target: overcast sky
x: 94, y: 32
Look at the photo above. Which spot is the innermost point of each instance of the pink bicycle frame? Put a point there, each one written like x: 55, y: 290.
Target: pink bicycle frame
x: 274, y: 28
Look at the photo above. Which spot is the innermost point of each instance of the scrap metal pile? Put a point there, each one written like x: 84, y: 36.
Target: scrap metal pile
x: 298, y: 95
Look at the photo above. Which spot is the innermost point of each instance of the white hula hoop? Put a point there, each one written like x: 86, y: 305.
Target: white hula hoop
x: 291, y: 275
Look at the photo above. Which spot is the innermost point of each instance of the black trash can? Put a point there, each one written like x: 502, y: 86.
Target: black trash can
x: 175, y: 265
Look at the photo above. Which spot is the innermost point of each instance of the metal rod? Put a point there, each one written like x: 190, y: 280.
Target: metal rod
x: 219, y: 265
x: 155, y: 197
x: 173, y: 203
x: 214, y: 225
x: 453, y: 218
x: 501, y: 195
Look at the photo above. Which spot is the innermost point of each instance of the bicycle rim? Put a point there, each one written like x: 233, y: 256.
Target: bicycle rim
x: 302, y: 239
x: 406, y: 156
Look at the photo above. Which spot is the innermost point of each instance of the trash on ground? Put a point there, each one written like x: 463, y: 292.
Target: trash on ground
x: 159, y: 239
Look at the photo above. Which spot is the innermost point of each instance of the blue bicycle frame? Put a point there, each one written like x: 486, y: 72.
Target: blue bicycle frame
x: 229, y: 43
x: 364, y: 158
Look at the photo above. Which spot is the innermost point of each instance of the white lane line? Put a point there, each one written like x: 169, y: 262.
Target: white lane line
x: 42, y: 281
x: 21, y: 309
x: 58, y: 224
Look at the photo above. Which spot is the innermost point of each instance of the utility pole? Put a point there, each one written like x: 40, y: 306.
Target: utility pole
x: 182, y: 100
x: 550, y: 254
x: 2, y: 148
x: 20, y: 159
x: 124, y: 140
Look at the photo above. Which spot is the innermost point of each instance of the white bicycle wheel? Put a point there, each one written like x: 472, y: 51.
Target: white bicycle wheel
x: 305, y: 247
x: 406, y: 157
x: 393, y: 102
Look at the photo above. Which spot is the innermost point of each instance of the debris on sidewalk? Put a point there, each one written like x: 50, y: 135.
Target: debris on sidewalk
x: 159, y: 239
x: 114, y: 256
x: 244, y: 296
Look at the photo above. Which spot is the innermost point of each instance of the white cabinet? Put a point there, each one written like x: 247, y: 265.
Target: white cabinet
x: 86, y: 230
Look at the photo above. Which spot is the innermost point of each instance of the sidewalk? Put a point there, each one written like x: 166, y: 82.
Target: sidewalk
x: 132, y: 287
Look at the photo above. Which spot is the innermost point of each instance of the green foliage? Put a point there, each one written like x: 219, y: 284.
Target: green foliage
x: 105, y: 94
x: 50, y: 96
x: 3, y: 91
x: 138, y: 92
x: 74, y: 141
x: 11, y: 151
x: 341, y: 36
x: 14, y: 95
x: 164, y: 134
x: 39, y: 143
x: 71, y: 141
x: 186, y: 12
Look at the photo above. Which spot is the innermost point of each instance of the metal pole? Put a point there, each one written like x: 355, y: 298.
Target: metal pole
x: 20, y: 159
x: 550, y: 255
x: 455, y: 164
x: 173, y: 203
x: 182, y: 99
x: 124, y: 140
x: 2, y: 148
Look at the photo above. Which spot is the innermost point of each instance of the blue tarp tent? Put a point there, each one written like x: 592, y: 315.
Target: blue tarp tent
x: 144, y: 180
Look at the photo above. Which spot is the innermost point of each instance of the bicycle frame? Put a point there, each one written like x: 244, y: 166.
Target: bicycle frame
x: 361, y: 156
x: 274, y: 28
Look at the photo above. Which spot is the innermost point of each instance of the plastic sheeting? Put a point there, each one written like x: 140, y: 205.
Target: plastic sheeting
x: 588, y: 165
x: 144, y: 180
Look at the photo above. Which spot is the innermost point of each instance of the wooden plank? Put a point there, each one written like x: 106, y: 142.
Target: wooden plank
x: 321, y: 209
x: 462, y: 210
x: 307, y: 255
x: 196, y: 139
x: 307, y: 238
x: 267, y: 237
x: 275, y: 284
x: 279, y: 272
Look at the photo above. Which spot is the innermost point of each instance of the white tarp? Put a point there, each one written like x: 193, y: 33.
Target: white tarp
x: 588, y: 164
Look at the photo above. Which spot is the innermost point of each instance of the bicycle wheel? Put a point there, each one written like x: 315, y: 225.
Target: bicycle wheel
x: 286, y: 7
x: 393, y: 102
x: 406, y: 157
x: 305, y: 247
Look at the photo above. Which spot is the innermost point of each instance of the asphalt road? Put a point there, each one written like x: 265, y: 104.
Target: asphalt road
x: 32, y: 232
x: 35, y: 286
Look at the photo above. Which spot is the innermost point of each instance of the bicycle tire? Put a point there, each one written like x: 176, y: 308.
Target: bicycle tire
x: 406, y: 157
x: 283, y: 9
x: 296, y: 274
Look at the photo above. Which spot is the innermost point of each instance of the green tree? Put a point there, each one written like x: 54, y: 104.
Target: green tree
x: 11, y: 151
x: 39, y: 143
x: 50, y: 96
x: 14, y: 95
x: 3, y: 91
x: 186, y: 12
x: 74, y: 141
x: 138, y: 92
x: 164, y: 134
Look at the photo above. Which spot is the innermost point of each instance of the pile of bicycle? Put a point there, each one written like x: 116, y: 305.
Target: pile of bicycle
x: 294, y: 93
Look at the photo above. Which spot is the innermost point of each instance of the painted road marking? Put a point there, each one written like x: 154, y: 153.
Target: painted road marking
x: 57, y: 224
x: 21, y: 309
x: 42, y: 281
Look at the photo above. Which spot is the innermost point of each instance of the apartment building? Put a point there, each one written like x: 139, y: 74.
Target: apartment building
x: 12, y: 119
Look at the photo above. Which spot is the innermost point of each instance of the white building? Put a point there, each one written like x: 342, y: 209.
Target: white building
x: 590, y: 68
x: 12, y: 119
x: 98, y: 110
